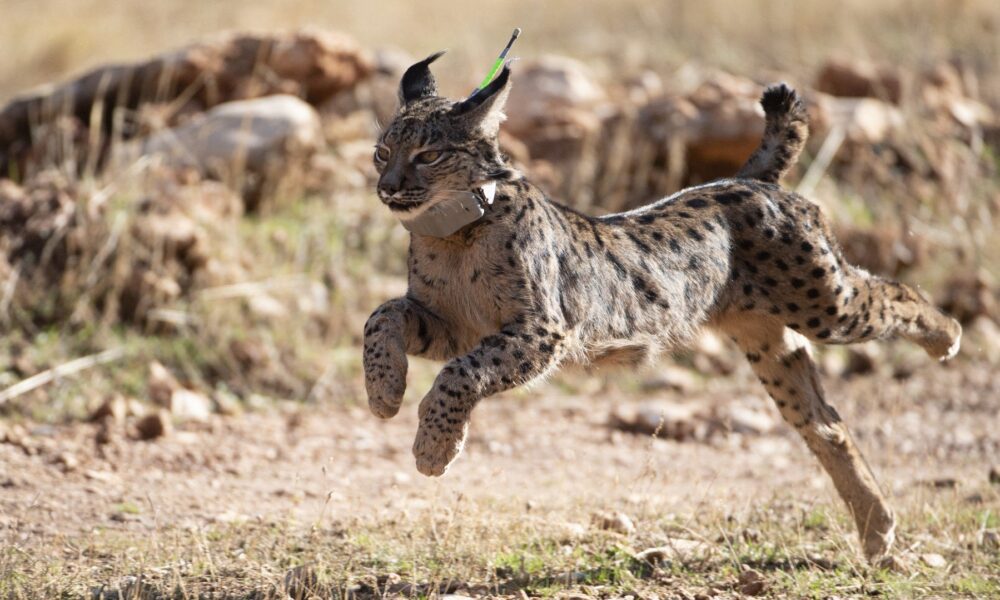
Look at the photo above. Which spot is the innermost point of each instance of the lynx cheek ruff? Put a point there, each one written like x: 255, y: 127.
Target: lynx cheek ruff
x: 453, y: 211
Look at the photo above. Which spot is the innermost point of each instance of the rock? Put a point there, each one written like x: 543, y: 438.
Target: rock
x: 711, y: 355
x: 677, y: 548
x: 674, y: 421
x: 669, y: 378
x: 164, y: 245
x: 983, y: 339
x: 864, y: 120
x: 895, y: 563
x: 934, y: 561
x: 114, y: 408
x: 571, y: 532
x: 862, y: 360
x: 989, y: 539
x: 226, y: 402
x: 106, y: 477
x: 549, y: 85
x: 67, y: 461
x: 750, y: 421
x: 618, y: 522
x: 312, y: 64
x: 716, y: 125
x: 160, y: 384
x: 153, y: 425
x: 258, y: 135
x: 266, y: 306
x: 885, y: 250
x: 555, y: 111
x: 860, y: 79
x: 751, y: 582
x: 994, y: 475
x: 940, y: 483
x: 968, y: 296
x: 188, y: 405
x: 17, y: 436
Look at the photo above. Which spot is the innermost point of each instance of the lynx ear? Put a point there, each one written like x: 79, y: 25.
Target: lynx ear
x: 484, y: 108
x: 418, y: 82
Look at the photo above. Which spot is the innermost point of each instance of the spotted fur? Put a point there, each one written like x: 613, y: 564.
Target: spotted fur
x: 535, y: 284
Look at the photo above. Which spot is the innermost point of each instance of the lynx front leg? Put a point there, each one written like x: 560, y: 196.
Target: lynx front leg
x: 781, y: 360
x: 399, y: 327
x: 510, y: 358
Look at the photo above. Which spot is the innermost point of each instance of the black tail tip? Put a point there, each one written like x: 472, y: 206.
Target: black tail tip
x: 780, y: 99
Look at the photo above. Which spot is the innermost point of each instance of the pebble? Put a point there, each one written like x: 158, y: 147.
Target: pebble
x: 153, y: 425
x: 933, y: 560
x: 618, y: 522
x: 751, y: 582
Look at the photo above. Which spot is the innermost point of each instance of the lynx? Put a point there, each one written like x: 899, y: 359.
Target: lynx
x: 533, y: 284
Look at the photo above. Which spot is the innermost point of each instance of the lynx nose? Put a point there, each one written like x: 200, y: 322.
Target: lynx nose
x: 390, y: 183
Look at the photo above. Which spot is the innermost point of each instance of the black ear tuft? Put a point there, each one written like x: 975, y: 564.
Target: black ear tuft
x: 484, y: 94
x: 417, y: 81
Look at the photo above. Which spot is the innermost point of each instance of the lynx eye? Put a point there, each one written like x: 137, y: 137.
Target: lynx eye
x: 428, y: 157
x: 381, y: 153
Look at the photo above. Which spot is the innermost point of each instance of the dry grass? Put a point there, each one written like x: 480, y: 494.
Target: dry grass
x: 804, y: 550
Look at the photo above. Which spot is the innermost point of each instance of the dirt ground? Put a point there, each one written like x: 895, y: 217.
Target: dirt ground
x: 541, y: 455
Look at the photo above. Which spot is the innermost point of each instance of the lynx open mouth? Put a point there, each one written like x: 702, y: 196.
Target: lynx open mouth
x: 447, y: 212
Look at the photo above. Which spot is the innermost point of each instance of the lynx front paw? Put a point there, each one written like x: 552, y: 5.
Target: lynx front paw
x: 436, y: 447
x: 440, y: 436
x: 385, y: 376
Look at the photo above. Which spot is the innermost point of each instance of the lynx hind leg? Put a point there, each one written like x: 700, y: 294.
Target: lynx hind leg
x: 801, y: 277
x: 854, y: 306
x: 782, y: 362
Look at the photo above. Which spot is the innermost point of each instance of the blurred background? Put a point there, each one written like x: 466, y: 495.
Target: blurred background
x: 190, y: 245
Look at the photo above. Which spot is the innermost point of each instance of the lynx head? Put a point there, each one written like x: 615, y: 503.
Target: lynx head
x: 435, y: 146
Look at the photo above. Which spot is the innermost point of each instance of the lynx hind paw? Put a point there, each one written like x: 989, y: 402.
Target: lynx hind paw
x: 953, y: 349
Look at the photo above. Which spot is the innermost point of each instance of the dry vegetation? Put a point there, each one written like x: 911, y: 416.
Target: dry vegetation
x: 248, y: 294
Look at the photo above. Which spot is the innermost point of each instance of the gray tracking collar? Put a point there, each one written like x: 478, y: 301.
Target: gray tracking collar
x: 449, y: 212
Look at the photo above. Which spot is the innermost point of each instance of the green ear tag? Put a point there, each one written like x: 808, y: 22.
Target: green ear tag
x: 499, y: 62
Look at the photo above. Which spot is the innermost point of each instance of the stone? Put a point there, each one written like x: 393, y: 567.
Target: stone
x: 989, y: 539
x: 678, y: 548
x: 544, y: 87
x: 67, y: 461
x: 750, y: 421
x: 669, y: 420
x: 114, y: 408
x: 933, y: 560
x: 883, y: 249
x: 617, y: 522
x: 257, y: 135
x: 189, y: 405
x: 860, y: 79
x: 310, y: 63
x: 669, y: 378
x: 154, y: 425
x: 751, y: 582
x: 864, y: 120
x: 160, y: 384
x: 994, y: 475
x: 968, y: 296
